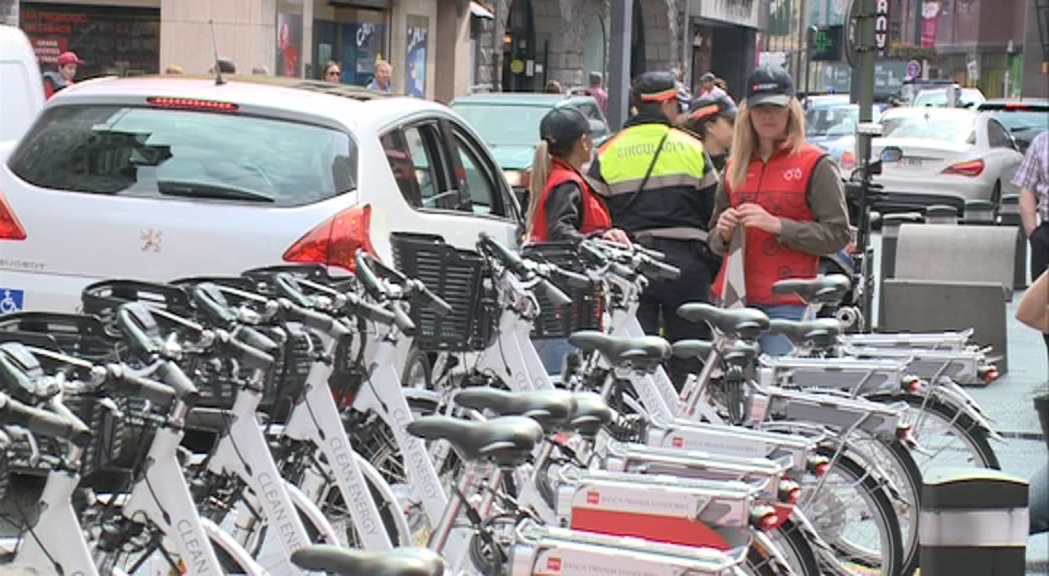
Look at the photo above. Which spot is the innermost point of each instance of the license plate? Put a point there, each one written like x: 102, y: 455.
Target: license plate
x: 911, y: 162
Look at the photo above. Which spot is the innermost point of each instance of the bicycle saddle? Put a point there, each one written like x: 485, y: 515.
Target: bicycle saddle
x: 821, y: 332
x: 743, y: 323
x: 550, y: 408
x: 821, y: 289
x: 590, y: 414
x: 741, y: 353
x: 508, y: 441
x: 700, y: 349
x: 398, y: 562
x: 643, y: 352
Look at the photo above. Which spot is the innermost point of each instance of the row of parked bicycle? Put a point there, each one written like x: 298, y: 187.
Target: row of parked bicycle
x: 259, y: 424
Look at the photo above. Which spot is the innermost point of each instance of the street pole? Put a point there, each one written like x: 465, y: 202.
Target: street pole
x: 619, y: 62
x: 868, y: 51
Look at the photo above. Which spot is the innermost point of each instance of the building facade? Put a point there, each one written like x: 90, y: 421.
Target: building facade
x: 285, y: 37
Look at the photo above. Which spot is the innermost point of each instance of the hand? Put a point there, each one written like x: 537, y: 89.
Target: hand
x: 754, y: 216
x: 727, y: 223
x: 616, y: 235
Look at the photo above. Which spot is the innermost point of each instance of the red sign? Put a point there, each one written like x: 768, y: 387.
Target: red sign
x: 48, y: 49
x: 930, y: 23
x: 593, y: 498
x: 553, y: 564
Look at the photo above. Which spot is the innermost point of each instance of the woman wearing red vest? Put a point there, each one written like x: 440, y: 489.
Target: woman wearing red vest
x: 785, y: 192
x: 562, y: 206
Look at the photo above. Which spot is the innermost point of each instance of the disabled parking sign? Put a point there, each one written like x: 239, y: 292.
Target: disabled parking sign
x: 11, y: 300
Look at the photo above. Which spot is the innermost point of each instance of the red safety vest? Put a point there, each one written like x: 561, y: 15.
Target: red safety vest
x: 780, y: 187
x: 595, y: 214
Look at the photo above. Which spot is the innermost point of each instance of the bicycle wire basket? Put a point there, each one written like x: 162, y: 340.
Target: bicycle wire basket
x: 584, y: 313
x: 458, y: 277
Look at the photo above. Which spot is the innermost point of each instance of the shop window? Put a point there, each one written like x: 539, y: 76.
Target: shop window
x: 356, y: 39
x: 120, y: 41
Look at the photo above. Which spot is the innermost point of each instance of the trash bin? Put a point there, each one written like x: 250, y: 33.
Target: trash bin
x: 890, y: 234
x: 1009, y: 215
x: 941, y: 214
x: 979, y: 212
x: 973, y: 521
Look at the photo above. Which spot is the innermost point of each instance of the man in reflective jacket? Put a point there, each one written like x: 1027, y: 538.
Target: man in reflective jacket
x: 659, y: 187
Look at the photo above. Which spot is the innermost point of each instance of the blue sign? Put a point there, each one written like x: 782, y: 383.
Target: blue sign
x: 914, y: 69
x: 11, y: 300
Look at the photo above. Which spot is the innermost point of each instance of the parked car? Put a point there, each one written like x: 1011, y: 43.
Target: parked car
x: 826, y: 125
x: 509, y: 124
x: 1024, y: 119
x: 938, y: 97
x: 158, y: 178
x: 945, y: 155
x: 21, y: 87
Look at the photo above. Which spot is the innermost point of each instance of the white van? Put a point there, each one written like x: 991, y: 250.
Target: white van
x: 21, y: 89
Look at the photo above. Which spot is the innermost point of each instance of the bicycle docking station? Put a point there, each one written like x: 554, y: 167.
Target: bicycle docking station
x: 973, y: 521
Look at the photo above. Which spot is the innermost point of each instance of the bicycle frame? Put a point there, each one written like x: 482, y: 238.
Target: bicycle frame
x: 316, y: 420
x: 57, y: 539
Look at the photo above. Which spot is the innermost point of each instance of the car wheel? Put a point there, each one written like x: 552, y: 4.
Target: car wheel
x: 417, y: 371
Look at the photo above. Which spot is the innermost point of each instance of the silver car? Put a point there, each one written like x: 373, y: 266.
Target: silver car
x: 946, y: 155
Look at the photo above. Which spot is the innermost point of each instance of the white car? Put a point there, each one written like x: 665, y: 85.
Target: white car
x: 948, y: 156
x: 21, y: 86
x: 938, y: 97
x: 158, y: 178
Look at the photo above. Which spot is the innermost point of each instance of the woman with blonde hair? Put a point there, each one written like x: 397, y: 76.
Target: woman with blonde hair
x: 785, y: 193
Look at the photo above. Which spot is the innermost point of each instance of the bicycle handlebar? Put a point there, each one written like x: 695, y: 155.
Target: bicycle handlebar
x: 402, y: 319
x: 128, y: 384
x: 251, y: 347
x: 512, y: 261
x: 367, y: 276
x: 172, y: 375
x: 44, y: 423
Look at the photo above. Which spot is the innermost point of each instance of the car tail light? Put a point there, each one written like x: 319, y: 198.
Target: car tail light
x: 10, y: 227
x: 336, y: 240
x: 848, y: 161
x: 191, y: 104
x: 968, y: 168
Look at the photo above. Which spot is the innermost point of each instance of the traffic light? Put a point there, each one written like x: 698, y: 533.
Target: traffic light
x: 825, y: 43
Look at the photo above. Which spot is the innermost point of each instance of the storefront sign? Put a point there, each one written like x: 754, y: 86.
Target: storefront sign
x: 930, y: 23
x: 415, y: 58
x: 739, y: 12
x: 289, y: 45
x: 881, y: 27
x: 48, y: 49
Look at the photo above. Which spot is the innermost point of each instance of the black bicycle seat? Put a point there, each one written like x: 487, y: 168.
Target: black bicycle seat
x: 820, y: 333
x: 508, y: 441
x: 550, y: 408
x: 699, y: 349
x: 744, y: 323
x: 643, y: 352
x: 740, y: 352
x: 821, y: 289
x: 347, y: 561
x: 590, y: 414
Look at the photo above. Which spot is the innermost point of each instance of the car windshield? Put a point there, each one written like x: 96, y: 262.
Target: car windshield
x: 958, y: 128
x: 938, y: 98
x: 831, y: 120
x: 503, y: 124
x: 1015, y: 121
x: 151, y: 152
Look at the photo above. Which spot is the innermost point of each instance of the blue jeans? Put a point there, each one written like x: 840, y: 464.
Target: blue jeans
x: 552, y: 352
x: 779, y: 345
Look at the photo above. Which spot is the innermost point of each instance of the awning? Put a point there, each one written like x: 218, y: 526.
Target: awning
x: 479, y: 11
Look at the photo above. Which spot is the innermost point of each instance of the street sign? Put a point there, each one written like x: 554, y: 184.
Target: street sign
x: 825, y: 44
x: 914, y: 69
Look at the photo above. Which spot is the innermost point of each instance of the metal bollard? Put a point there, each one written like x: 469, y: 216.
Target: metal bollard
x: 1010, y: 216
x: 941, y: 214
x: 973, y: 521
x: 979, y: 212
x: 890, y: 235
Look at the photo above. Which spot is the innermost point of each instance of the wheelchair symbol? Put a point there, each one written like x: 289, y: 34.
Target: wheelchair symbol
x: 11, y: 302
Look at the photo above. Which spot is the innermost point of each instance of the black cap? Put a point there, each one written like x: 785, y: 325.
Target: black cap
x: 658, y: 87
x: 707, y: 106
x: 562, y: 126
x: 769, y: 85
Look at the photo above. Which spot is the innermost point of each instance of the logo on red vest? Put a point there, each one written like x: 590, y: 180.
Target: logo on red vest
x: 593, y: 498
x: 553, y: 564
x: 792, y: 174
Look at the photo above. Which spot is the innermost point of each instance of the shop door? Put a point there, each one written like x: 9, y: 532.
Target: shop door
x: 519, y: 49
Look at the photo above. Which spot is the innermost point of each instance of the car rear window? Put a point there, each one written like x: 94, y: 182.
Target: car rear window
x: 958, y: 128
x: 156, y: 152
